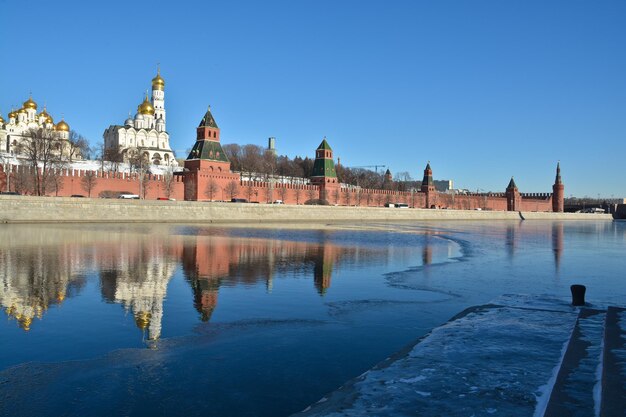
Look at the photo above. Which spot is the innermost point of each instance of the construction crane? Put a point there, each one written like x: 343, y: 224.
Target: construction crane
x: 371, y: 166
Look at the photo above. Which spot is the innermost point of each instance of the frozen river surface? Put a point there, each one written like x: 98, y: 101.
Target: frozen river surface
x: 191, y: 320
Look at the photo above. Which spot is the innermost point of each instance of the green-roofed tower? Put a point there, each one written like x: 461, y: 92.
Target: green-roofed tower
x: 324, y: 172
x: 207, y: 168
x: 324, y: 165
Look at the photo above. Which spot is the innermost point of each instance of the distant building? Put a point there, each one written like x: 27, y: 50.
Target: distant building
x: 271, y: 145
x: 15, y: 130
x: 144, y: 135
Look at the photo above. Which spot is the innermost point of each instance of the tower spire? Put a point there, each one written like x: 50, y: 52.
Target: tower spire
x: 558, y: 173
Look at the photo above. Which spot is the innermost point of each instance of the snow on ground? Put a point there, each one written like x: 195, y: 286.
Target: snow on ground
x: 494, y: 360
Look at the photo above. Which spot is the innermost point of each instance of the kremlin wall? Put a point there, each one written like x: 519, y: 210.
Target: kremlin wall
x: 207, y: 175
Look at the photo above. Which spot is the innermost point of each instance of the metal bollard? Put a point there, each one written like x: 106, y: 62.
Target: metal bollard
x: 578, y: 294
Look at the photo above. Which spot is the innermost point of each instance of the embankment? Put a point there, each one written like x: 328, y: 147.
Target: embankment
x: 23, y: 209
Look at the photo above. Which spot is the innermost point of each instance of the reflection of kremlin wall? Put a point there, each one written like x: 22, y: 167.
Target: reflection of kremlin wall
x: 212, y: 261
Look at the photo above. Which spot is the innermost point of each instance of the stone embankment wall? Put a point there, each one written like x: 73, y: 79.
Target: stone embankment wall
x: 23, y: 209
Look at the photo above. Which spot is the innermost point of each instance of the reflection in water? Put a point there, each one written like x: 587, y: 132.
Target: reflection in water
x: 33, y: 279
x: 137, y: 278
x: 213, y: 261
x: 41, y: 266
x: 557, y: 243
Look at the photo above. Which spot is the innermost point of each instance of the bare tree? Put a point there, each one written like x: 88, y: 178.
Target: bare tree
x: 78, y: 146
x: 249, y: 190
x: 358, y: 196
x: 23, y: 179
x: 311, y: 193
x: 56, y: 178
x: 144, y: 181
x: 379, y: 199
x: 89, y: 181
x: 348, y: 196
x: 368, y: 198
x: 298, y: 194
x: 41, y: 148
x: 336, y: 195
x: 283, y: 192
x: 168, y: 182
x: 211, y: 189
x: 232, y: 189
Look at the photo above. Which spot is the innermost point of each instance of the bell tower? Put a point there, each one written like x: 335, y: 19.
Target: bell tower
x: 158, y: 97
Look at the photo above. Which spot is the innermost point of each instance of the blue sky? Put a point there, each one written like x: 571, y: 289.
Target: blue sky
x: 482, y: 89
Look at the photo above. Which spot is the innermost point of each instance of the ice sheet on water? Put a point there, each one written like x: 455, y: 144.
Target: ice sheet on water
x: 490, y: 361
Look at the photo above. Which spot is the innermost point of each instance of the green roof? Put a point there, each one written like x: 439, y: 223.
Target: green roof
x: 324, y: 168
x: 208, y: 120
x: 511, y: 184
x: 209, y: 150
x: 324, y: 145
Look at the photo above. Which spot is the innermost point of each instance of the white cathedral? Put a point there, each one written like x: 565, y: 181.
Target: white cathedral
x: 145, y: 135
x: 16, y: 129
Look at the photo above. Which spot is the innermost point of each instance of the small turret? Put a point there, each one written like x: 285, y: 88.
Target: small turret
x: 513, y: 197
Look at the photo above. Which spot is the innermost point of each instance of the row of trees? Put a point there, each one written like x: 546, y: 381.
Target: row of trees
x: 254, y: 159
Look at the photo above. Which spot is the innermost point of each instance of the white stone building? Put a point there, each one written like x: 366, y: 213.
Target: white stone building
x: 145, y: 134
x: 15, y: 130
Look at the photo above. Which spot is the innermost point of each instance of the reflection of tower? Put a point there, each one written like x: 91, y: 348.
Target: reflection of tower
x: 511, y: 240
x: 427, y: 253
x: 323, y: 268
x: 139, y: 282
x: 557, y: 243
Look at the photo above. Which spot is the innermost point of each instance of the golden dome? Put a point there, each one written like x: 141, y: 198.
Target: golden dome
x: 62, y: 126
x: 158, y: 83
x: 30, y: 104
x: 22, y: 110
x: 145, y: 107
x: 45, y: 114
x: 49, y: 120
x: 1, y: 119
x: 13, y: 114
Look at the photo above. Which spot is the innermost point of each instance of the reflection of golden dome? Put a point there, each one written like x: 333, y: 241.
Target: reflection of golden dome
x: 25, y: 322
x: 158, y: 83
x: 62, y: 126
x: 145, y: 107
x: 142, y: 319
x: 30, y: 104
x: 60, y: 296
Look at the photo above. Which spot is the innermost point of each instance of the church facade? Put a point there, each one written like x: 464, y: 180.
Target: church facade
x: 145, y: 135
x: 16, y: 130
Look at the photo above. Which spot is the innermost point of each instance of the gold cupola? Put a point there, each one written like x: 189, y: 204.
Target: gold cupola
x: 13, y: 114
x: 158, y: 83
x: 146, y: 107
x: 142, y: 319
x: 1, y: 120
x: 30, y: 104
x: 62, y: 126
x: 44, y: 113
